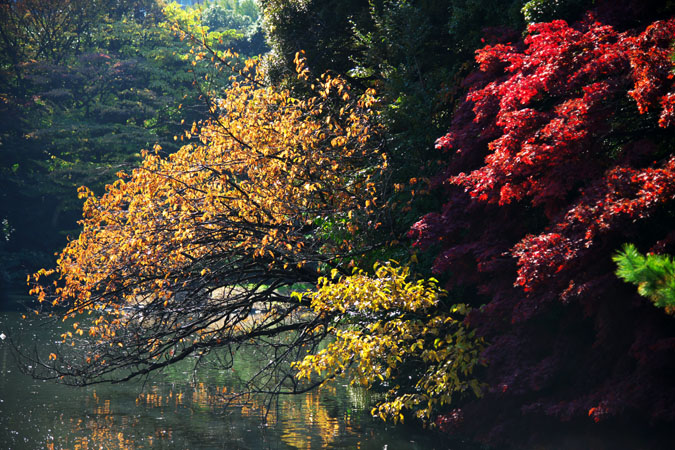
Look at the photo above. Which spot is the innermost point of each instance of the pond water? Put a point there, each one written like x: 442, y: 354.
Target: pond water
x: 173, y: 410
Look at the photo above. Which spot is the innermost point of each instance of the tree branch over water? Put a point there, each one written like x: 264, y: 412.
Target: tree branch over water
x: 199, y: 252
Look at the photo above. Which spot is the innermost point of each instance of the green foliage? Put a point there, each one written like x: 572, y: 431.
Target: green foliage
x: 396, y: 335
x: 120, y: 81
x: 470, y: 19
x: 394, y: 45
x: 547, y: 10
x: 237, y: 9
x: 220, y: 26
x: 218, y: 17
x: 654, y: 275
x: 405, y: 50
x: 188, y: 22
x: 321, y: 28
x: 243, y: 17
x: 396, y: 40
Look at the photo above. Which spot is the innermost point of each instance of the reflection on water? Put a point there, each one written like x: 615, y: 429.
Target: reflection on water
x: 172, y: 410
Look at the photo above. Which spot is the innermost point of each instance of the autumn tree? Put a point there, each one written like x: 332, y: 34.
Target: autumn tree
x: 560, y: 153
x: 395, y: 335
x: 199, y: 251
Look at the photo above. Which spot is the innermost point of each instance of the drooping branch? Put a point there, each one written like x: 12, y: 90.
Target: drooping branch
x: 200, y: 251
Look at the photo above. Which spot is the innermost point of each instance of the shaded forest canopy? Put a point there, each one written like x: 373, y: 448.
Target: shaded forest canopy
x: 466, y: 206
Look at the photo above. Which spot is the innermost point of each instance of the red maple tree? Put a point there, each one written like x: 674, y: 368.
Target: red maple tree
x: 561, y: 152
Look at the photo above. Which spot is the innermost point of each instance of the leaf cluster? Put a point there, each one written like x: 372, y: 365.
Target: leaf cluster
x: 172, y: 259
x: 654, y: 275
x: 561, y: 151
x: 397, y: 335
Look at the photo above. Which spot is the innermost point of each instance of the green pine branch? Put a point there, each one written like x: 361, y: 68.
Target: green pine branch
x: 654, y: 275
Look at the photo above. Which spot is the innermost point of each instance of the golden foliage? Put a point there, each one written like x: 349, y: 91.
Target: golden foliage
x: 398, y: 335
x: 244, y: 193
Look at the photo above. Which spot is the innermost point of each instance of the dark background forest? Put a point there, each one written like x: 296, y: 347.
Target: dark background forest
x: 530, y: 169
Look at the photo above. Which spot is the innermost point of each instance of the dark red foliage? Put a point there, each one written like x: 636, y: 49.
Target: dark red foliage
x: 562, y: 151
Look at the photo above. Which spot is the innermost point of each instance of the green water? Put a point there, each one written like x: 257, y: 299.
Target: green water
x: 175, y: 410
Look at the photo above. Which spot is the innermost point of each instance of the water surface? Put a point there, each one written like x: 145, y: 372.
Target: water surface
x: 180, y: 410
